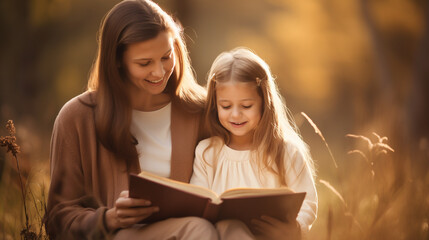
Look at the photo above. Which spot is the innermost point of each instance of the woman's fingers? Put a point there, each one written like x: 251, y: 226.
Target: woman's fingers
x: 126, y: 202
x: 130, y: 219
x: 124, y: 194
x: 129, y: 211
x: 135, y: 212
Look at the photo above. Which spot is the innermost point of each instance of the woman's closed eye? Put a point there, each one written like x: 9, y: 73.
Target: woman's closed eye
x: 167, y: 57
x: 147, y: 63
x: 144, y: 64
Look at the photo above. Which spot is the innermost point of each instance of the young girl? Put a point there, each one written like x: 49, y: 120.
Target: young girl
x: 254, y: 143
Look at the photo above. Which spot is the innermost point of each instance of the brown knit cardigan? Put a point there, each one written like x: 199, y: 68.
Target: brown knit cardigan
x: 86, y: 178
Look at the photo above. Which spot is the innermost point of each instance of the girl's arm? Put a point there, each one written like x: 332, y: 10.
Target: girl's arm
x: 300, y: 179
x: 200, y: 175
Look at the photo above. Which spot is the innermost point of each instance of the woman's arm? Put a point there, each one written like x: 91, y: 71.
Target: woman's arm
x: 72, y: 209
x: 75, y: 210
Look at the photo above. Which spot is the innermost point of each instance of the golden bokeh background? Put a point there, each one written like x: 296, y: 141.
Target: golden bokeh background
x: 354, y: 67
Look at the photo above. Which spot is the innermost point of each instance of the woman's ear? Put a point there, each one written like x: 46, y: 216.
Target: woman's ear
x: 119, y: 61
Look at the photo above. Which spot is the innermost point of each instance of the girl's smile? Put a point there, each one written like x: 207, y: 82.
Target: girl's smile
x: 238, y: 124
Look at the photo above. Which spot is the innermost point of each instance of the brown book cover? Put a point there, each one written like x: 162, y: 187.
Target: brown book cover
x: 178, y: 199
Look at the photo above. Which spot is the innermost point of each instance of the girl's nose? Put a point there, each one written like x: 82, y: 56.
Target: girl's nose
x: 236, y: 112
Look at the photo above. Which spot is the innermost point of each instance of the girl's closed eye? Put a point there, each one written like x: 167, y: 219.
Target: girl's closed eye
x: 247, y: 106
x: 226, y: 107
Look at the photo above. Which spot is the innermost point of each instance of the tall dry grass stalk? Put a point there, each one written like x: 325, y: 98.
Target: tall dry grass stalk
x: 9, y: 142
x: 318, y: 132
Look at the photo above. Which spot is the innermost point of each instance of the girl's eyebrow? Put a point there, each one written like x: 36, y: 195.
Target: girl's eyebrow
x: 166, y: 53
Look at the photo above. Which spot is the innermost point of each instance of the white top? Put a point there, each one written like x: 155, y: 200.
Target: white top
x: 236, y: 169
x: 153, y: 133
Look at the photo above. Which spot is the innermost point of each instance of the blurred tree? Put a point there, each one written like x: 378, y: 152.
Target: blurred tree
x: 417, y: 114
x: 46, y: 54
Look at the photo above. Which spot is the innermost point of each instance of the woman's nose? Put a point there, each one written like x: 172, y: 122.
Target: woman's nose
x: 158, y: 70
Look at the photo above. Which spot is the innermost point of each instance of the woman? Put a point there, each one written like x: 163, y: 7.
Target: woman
x: 141, y: 112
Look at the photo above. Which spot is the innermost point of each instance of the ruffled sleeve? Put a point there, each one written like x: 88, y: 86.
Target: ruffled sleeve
x: 299, y: 178
x: 200, y: 175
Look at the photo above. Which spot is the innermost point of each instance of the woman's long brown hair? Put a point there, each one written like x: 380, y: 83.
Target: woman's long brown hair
x: 128, y: 22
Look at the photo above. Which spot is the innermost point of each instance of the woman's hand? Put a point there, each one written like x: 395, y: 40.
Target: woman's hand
x: 272, y: 228
x: 127, y: 212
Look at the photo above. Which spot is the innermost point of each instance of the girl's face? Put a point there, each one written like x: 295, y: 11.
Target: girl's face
x: 239, y: 108
x: 149, y: 64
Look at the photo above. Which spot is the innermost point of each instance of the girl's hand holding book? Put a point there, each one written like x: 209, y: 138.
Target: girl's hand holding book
x: 128, y: 211
x: 272, y: 228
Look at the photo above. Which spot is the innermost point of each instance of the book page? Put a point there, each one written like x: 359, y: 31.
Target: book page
x: 186, y: 187
x: 254, y: 192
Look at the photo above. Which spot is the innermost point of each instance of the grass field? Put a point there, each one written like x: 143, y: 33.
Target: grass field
x: 372, y: 193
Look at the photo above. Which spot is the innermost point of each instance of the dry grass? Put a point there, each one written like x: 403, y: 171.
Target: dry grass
x: 376, y: 195
x: 33, y: 223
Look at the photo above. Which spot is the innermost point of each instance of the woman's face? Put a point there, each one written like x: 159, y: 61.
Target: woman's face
x: 149, y: 64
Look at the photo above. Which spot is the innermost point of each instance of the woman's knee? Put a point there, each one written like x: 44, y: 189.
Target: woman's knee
x: 199, y: 228
x: 230, y: 224
x: 233, y: 229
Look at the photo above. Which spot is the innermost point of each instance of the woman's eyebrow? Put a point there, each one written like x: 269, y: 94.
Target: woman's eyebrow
x: 166, y: 53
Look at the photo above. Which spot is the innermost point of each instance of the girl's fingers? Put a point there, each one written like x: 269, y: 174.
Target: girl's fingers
x: 261, y: 225
x: 271, y: 220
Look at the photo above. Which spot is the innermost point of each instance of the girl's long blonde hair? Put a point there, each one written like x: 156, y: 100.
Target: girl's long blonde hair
x: 276, y: 130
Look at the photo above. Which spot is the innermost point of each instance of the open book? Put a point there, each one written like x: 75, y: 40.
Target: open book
x: 178, y: 199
